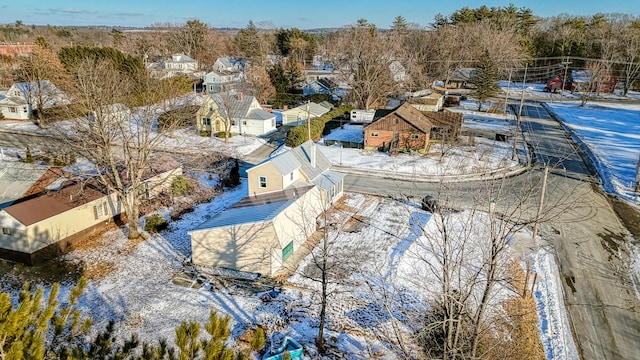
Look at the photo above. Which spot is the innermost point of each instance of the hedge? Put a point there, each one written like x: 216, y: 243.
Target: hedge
x: 299, y: 134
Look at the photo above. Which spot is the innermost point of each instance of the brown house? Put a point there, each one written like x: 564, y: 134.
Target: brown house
x: 405, y: 128
x: 447, y: 125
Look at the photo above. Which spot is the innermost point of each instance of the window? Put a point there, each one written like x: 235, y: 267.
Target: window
x: 287, y: 251
x: 233, y: 123
x: 7, y: 231
x: 244, y: 122
x: 374, y: 134
x: 291, y: 176
x: 13, y: 109
x: 415, y: 136
x: 24, y: 109
x: 100, y: 210
x: 262, y: 181
x: 206, y: 121
x: 394, y: 121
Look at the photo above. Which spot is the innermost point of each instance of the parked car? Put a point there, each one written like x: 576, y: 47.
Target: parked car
x: 555, y: 85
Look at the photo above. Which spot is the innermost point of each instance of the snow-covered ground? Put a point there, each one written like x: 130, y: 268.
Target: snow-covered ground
x: 610, y: 134
x: 133, y: 283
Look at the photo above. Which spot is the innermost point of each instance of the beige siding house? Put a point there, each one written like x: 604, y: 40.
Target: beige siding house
x: 40, y: 226
x: 286, y: 195
x: 258, y: 233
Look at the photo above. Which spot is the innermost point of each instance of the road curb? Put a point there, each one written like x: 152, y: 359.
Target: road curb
x: 491, y: 175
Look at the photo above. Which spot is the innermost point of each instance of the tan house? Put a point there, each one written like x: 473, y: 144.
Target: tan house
x: 286, y: 195
x: 405, y: 128
x: 41, y: 225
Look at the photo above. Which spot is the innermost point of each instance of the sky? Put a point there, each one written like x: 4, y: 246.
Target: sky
x: 302, y: 14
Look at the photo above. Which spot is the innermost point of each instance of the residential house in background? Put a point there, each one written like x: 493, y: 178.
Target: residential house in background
x: 246, y: 113
x: 22, y: 99
x: 53, y: 217
x: 226, y: 76
x: 300, y: 114
x: 460, y: 78
x: 430, y: 102
x: 287, y: 193
x: 405, y: 128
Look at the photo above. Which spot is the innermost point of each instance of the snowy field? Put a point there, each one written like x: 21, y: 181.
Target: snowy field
x: 610, y: 134
x: 133, y: 282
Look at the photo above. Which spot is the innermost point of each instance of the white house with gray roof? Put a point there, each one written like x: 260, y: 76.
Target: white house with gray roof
x: 287, y: 193
x: 247, y: 115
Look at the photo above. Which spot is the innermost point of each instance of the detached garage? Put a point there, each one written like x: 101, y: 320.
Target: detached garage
x: 258, y: 233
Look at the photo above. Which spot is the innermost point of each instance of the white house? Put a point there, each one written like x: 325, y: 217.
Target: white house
x: 299, y: 115
x: 181, y: 63
x: 246, y: 113
x: 287, y: 193
x: 22, y: 98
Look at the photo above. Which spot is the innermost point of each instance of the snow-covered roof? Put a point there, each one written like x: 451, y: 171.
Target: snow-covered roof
x: 351, y: 134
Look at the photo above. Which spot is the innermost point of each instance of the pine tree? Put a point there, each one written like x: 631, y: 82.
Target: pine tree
x: 485, y: 79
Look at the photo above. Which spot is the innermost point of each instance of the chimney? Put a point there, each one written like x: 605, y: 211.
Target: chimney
x: 313, y: 155
x: 285, y: 107
x: 239, y: 95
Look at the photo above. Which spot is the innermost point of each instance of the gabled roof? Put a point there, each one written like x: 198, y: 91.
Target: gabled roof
x: 255, y: 208
x: 181, y: 58
x: 259, y: 114
x: 409, y: 114
x: 285, y: 162
x: 239, y: 105
x: 305, y: 153
x: 462, y: 74
x: 300, y: 157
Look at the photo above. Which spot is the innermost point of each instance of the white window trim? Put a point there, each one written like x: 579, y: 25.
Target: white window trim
x: 262, y: 180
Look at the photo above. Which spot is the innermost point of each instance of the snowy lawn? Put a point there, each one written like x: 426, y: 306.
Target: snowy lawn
x: 610, y: 134
x: 132, y: 283
x: 485, y: 155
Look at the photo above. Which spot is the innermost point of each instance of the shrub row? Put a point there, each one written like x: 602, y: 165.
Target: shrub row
x: 299, y: 134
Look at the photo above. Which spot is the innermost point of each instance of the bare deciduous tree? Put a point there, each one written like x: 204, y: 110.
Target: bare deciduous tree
x: 258, y: 83
x: 120, y: 146
x: 42, y: 73
x: 360, y: 54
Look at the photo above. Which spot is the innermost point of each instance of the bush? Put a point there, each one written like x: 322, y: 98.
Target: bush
x: 181, y: 186
x: 222, y: 134
x: 155, y: 223
x: 299, y: 134
x: 205, y: 133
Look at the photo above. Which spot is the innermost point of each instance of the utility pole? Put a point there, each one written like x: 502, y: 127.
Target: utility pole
x: 566, y: 64
x: 515, y: 136
x: 544, y: 188
x: 637, y: 188
x: 308, y: 121
x: 506, y: 96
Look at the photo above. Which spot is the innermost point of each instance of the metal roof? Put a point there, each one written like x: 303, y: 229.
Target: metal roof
x: 285, y: 163
x: 16, y: 178
x: 254, y: 209
x: 328, y: 179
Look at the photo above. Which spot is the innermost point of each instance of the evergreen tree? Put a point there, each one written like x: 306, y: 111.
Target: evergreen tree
x: 485, y: 79
x: 279, y: 79
x: 399, y: 24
